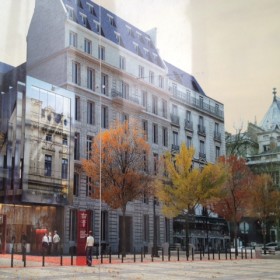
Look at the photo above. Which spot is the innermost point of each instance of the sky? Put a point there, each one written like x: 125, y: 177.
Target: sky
x: 230, y: 46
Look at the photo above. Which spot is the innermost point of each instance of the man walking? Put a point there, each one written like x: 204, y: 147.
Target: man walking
x: 56, y: 240
x: 89, y: 248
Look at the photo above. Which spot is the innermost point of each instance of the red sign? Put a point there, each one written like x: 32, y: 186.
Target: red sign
x: 83, y: 228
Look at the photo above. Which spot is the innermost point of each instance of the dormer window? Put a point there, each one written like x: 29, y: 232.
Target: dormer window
x: 136, y: 47
x: 84, y: 19
x: 146, y: 52
x: 112, y: 20
x: 148, y: 41
x: 97, y: 26
x: 118, y: 38
x: 70, y: 13
x: 91, y: 9
x: 130, y: 31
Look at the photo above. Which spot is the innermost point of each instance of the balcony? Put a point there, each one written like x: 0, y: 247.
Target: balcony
x: 217, y: 136
x: 175, y: 120
x: 123, y: 98
x: 175, y: 148
x: 202, y: 157
x: 196, y: 103
x: 201, y: 130
x: 188, y: 125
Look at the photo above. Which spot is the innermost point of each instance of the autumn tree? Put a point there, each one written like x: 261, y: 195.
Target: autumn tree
x: 264, y: 201
x: 231, y: 200
x: 181, y: 187
x: 116, y: 166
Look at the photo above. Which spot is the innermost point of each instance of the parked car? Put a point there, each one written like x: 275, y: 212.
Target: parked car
x: 271, y: 245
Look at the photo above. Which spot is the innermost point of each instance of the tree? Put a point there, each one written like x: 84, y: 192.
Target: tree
x: 264, y: 201
x: 117, y: 164
x: 181, y: 187
x: 231, y: 200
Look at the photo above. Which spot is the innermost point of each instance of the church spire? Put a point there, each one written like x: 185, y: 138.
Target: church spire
x: 274, y: 93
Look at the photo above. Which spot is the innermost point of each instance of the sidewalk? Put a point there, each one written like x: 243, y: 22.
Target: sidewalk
x: 198, y: 270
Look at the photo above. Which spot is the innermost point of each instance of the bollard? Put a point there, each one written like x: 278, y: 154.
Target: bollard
x: 162, y: 256
x: 208, y: 252
x: 12, y: 257
x: 219, y: 253
x: 178, y: 256
x: 122, y: 257
x: 101, y: 257
x: 251, y: 253
x: 192, y: 254
x: 141, y: 254
x: 242, y: 253
x: 169, y: 254
x: 61, y: 253
x: 110, y: 255
x: 226, y: 253
x: 230, y: 253
x: 71, y: 257
x: 134, y: 256
x: 24, y: 256
x: 43, y: 258
x: 200, y: 254
x: 245, y: 253
x: 213, y: 252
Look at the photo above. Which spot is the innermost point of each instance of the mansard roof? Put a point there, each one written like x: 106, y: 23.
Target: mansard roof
x: 271, y: 119
x: 179, y: 76
x: 114, y: 29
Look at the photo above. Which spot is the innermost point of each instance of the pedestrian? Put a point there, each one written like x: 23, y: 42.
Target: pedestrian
x: 45, y: 244
x: 89, y: 248
x: 50, y: 243
x: 55, y: 240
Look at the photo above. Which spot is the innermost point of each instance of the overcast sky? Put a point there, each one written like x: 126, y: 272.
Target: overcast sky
x: 232, y: 47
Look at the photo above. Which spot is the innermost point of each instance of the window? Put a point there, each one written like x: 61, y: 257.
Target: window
x: 160, y: 81
x: 189, y: 141
x: 48, y: 165
x: 164, y: 136
x: 122, y: 62
x: 65, y: 141
x: 91, y: 9
x: 88, y: 46
x: 104, y: 225
x: 174, y: 88
x: 125, y: 90
x: 164, y: 108
x: 216, y: 128
x: 141, y: 72
x: 146, y: 228
x: 151, y: 77
x: 145, y: 129
x: 145, y: 162
x: 136, y: 47
x: 155, y: 164
x: 175, y: 138
x: 112, y: 20
x: 77, y: 146
x: 89, y: 146
x: 88, y: 186
x: 167, y: 230
x: 76, y: 184
x: 124, y: 117
x: 104, y: 117
x: 118, y: 38
x: 201, y: 147
x: 104, y: 84
x: 49, y: 137
x: 200, y: 101
x: 64, y: 168
x: 144, y: 99
x: 97, y: 26
x: 70, y: 13
x: 174, y: 110
x: 155, y: 133
x: 77, y: 108
x: 84, y: 19
x: 73, y: 41
x: 76, y: 72
x: 90, y: 112
x: 154, y: 105
x: 188, y: 116
x: 101, y: 52
x: 217, y: 153
x: 90, y: 78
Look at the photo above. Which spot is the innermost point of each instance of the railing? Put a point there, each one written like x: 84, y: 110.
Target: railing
x: 197, y: 103
x: 188, y: 125
x: 118, y: 94
x: 175, y: 119
x: 175, y: 148
x: 201, y: 130
x: 217, y: 136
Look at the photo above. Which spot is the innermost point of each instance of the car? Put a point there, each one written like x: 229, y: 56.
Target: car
x: 271, y: 246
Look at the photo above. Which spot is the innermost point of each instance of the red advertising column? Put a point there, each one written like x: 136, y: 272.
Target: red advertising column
x: 83, y: 228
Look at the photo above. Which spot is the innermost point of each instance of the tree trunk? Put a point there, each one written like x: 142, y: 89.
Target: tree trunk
x: 123, y: 233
